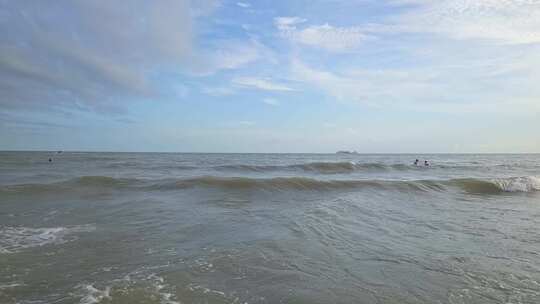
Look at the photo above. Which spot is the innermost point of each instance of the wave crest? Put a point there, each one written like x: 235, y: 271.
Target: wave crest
x: 499, y: 185
x: 469, y: 185
x: 473, y: 186
x: 317, y: 167
x: 70, y: 185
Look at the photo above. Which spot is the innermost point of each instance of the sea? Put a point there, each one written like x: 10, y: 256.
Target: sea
x: 172, y: 228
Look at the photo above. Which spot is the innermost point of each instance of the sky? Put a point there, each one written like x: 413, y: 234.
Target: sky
x: 375, y: 76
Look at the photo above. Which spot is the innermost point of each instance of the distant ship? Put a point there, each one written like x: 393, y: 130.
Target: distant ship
x: 346, y: 152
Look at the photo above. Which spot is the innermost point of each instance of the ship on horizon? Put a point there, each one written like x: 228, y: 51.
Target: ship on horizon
x: 346, y: 152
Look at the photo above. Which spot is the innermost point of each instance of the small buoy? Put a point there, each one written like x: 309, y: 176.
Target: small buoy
x: 50, y: 159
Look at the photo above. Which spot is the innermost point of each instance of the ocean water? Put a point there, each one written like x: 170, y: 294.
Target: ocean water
x: 268, y: 228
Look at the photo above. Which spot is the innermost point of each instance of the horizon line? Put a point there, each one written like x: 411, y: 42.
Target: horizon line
x: 327, y: 153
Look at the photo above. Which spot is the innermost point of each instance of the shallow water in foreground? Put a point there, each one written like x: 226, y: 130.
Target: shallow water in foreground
x: 268, y: 228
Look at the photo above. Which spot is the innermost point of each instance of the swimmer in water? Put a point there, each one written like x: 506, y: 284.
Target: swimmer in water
x: 416, y: 162
x: 426, y: 163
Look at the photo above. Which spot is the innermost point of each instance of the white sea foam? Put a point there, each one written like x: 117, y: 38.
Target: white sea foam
x: 518, y: 184
x: 153, y: 283
x: 160, y: 287
x: 15, y: 239
x: 93, y: 295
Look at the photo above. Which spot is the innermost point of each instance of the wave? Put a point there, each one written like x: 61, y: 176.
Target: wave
x: 318, y: 167
x: 139, y: 165
x: 322, y: 167
x: 498, y: 185
x: 71, y: 184
x: 469, y: 185
x: 100, y: 181
x: 350, y: 167
x: 473, y: 186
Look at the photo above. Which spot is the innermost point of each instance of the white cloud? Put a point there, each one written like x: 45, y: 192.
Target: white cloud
x: 271, y: 101
x: 498, y: 87
x: 243, y: 4
x: 337, y: 39
x: 505, y: 21
x: 97, y: 55
x: 500, y: 21
x: 330, y: 38
x: 260, y: 83
x: 286, y: 23
x: 88, y: 54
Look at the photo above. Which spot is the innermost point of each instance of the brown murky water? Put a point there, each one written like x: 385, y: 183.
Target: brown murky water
x: 268, y: 228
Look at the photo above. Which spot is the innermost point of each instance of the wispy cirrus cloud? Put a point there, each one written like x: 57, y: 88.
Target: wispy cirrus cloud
x: 508, y: 87
x: 260, y: 84
x: 288, y: 23
x: 243, y: 4
x: 93, y: 62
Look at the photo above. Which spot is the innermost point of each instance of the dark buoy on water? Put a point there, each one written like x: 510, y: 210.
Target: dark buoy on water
x: 50, y: 160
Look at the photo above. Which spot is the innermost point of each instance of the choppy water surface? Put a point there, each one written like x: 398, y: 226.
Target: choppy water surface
x: 268, y: 228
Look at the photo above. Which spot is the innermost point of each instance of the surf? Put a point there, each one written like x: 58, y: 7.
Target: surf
x: 317, y: 167
x: 526, y: 184
x: 470, y: 185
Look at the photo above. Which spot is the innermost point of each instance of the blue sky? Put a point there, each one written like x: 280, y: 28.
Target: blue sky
x: 270, y: 76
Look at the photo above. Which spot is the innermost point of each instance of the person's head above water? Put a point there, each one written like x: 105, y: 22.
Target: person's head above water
x: 426, y: 163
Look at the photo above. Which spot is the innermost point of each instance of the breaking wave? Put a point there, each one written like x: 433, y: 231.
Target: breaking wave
x: 469, y: 185
x: 479, y: 186
x: 498, y: 185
